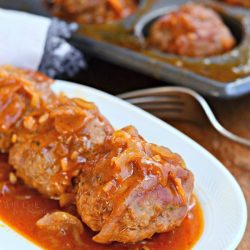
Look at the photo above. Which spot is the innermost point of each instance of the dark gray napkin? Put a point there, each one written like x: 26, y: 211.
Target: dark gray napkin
x: 59, y: 56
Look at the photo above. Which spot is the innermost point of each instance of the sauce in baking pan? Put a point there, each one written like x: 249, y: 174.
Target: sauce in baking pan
x: 235, y: 63
x: 21, y: 207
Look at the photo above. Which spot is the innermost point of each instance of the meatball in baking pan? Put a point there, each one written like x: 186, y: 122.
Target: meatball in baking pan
x: 21, y: 92
x: 133, y: 189
x: 53, y: 141
x: 94, y: 11
x: 244, y: 3
x: 193, y: 30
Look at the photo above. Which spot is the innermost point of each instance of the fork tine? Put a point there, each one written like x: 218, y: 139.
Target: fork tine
x: 155, y: 99
x: 144, y: 93
x: 169, y: 115
x: 165, y: 110
x: 160, y: 107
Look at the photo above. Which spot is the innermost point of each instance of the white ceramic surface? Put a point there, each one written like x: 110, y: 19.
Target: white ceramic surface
x: 221, y: 198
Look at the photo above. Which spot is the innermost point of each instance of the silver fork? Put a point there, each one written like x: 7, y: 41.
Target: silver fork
x: 178, y: 103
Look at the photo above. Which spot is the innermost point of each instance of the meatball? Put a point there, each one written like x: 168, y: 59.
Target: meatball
x: 245, y: 3
x: 52, y: 142
x: 78, y: 6
x: 21, y: 91
x: 95, y: 11
x: 193, y: 30
x: 133, y: 189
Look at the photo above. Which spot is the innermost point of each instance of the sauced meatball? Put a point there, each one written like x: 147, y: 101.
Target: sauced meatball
x: 245, y: 3
x: 94, y: 11
x: 133, y: 189
x: 21, y: 91
x: 52, y: 143
x: 193, y: 30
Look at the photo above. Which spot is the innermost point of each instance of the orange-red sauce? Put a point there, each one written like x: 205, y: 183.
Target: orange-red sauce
x: 21, y: 207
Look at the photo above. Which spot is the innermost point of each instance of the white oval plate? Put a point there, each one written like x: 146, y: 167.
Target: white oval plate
x: 221, y: 198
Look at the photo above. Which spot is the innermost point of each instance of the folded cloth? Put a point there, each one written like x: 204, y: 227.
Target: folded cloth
x: 39, y: 43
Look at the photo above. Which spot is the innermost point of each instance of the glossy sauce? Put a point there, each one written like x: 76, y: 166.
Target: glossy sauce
x: 236, y: 64
x: 21, y: 207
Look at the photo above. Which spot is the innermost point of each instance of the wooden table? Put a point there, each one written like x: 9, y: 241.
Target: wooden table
x: 235, y: 115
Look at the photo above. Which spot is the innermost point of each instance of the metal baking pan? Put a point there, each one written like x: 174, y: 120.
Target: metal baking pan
x: 226, y: 75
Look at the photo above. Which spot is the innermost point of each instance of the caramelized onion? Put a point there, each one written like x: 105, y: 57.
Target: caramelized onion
x: 58, y: 221
x: 11, y: 113
x: 69, y: 123
x: 66, y: 199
